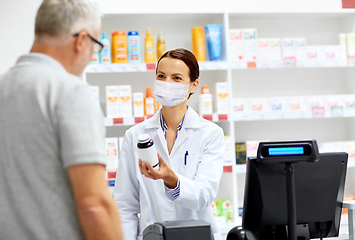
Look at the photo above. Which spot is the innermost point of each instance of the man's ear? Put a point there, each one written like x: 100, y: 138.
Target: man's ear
x: 80, y: 42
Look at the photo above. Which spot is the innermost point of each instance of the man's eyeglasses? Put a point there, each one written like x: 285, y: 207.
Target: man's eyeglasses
x: 97, y: 46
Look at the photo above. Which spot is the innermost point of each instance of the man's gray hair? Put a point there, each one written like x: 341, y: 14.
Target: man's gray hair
x: 59, y: 18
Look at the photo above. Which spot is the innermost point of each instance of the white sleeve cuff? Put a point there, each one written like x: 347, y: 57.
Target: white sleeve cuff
x: 172, y: 194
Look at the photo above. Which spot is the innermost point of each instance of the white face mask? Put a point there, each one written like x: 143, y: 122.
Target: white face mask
x: 170, y: 94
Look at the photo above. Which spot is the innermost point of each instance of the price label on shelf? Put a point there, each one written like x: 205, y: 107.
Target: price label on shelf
x: 111, y: 174
x: 111, y: 183
x: 289, y: 62
x: 208, y: 66
x: 150, y: 66
x: 227, y: 169
x: 208, y: 117
x: 138, y: 120
x: 117, y: 121
x: 128, y: 121
x: 251, y: 64
x: 202, y: 65
x: 318, y: 112
x: 215, y: 66
x: 238, y: 65
x: 222, y: 117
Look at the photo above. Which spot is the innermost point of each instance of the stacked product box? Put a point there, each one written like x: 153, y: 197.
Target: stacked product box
x: 252, y: 148
x: 228, y: 153
x: 349, y: 105
x: 299, y: 45
x: 316, y: 104
x: 343, y: 48
x: 335, y: 53
x: 294, y: 107
x: 240, y: 153
x: 334, y: 105
x: 222, y: 98
x: 350, y: 44
x: 240, y: 106
x: 236, y: 54
x: 250, y: 47
x: 263, y: 53
x: 205, y: 102
x: 277, y: 107
x: 325, y: 56
x: 297, y: 107
x: 119, y: 101
x: 138, y: 104
x: 259, y: 108
x: 125, y: 100
x: 112, y: 160
x: 112, y: 102
x: 275, y: 53
x: 313, y: 57
x: 288, y: 52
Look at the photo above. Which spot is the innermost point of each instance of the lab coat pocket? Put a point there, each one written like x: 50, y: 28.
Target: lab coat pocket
x: 190, y: 165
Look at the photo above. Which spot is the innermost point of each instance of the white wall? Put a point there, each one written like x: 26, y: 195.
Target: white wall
x: 17, y: 19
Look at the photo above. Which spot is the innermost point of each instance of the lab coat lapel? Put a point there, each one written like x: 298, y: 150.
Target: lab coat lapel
x: 182, y: 136
x: 164, y: 145
x: 192, y: 120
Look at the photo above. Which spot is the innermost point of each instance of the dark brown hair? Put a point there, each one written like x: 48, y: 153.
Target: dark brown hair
x: 188, y: 58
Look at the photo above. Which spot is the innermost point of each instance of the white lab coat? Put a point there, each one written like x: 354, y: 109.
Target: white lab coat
x: 199, y: 178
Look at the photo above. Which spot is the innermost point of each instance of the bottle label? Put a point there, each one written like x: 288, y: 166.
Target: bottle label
x: 95, y: 57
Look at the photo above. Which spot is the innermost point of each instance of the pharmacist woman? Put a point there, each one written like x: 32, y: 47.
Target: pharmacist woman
x: 190, y: 152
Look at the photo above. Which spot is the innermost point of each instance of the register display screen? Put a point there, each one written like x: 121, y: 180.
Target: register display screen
x: 286, y: 151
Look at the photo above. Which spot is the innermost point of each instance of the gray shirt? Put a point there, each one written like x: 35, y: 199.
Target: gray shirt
x: 49, y: 120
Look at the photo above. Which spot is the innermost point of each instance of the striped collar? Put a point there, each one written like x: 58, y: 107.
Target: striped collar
x: 165, y: 128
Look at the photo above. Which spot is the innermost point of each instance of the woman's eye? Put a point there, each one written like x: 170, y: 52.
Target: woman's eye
x: 178, y: 78
x: 160, y: 76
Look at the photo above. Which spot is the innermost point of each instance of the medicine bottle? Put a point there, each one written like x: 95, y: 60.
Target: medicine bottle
x: 146, y: 150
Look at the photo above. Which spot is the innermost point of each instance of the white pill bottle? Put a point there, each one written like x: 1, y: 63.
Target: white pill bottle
x: 146, y: 150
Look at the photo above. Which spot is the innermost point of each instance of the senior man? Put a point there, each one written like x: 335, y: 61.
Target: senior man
x: 52, y: 156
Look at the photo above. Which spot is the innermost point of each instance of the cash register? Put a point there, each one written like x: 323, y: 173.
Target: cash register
x: 178, y: 230
x: 292, y: 192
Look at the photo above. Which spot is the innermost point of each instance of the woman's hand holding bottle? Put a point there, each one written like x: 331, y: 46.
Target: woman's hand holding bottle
x: 164, y: 172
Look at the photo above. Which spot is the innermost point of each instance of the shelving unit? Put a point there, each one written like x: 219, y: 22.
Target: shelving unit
x: 320, y: 24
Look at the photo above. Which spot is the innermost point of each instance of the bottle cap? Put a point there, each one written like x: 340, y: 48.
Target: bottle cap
x: 205, y: 90
x: 143, y: 138
x: 118, y: 33
x: 160, y: 37
x: 104, y: 35
x: 148, y: 32
x: 148, y: 92
x: 130, y: 33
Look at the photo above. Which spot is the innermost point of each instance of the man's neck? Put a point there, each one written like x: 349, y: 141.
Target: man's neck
x: 59, y: 53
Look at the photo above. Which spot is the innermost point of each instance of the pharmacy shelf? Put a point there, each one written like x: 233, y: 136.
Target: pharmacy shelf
x: 213, y: 66
x: 342, y: 63
x: 240, y: 168
x: 272, y: 116
x: 147, y: 67
x: 130, y: 121
x: 231, y: 6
